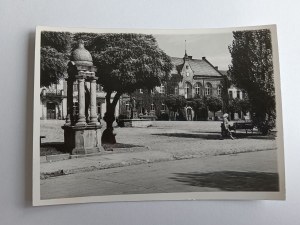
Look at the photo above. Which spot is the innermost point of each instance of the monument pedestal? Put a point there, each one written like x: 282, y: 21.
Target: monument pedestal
x: 81, y: 140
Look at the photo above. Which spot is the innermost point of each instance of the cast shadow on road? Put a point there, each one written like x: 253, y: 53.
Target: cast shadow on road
x: 231, y: 180
x: 54, y: 148
x: 216, y: 135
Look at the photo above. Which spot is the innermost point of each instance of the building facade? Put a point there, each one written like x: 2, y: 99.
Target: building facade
x: 196, y: 78
x: 53, y: 101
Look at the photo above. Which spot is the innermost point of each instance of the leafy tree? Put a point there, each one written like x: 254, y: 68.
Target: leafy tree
x: 234, y: 106
x: 175, y: 103
x: 252, y: 70
x: 244, y: 105
x: 214, y: 104
x: 127, y: 62
x: 225, y: 84
x: 198, y: 105
x: 55, y: 47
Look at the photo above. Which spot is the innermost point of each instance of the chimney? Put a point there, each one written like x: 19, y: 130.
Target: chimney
x: 203, y: 58
x: 190, y: 57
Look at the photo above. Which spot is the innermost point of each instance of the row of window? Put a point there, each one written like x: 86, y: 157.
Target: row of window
x: 239, y: 94
x: 207, y: 91
x: 188, y: 89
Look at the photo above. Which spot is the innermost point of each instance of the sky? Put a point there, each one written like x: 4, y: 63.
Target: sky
x: 213, y: 46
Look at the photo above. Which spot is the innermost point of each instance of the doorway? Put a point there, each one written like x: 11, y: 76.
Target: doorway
x: 51, y: 112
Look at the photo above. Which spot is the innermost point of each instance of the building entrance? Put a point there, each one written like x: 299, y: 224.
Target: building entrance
x: 51, y: 114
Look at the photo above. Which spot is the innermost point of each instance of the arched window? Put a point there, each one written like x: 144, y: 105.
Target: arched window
x: 152, y: 107
x: 188, y: 90
x: 219, y: 90
x: 197, y: 88
x: 208, y: 88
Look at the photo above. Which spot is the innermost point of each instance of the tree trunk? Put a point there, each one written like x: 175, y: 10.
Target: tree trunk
x: 108, y: 137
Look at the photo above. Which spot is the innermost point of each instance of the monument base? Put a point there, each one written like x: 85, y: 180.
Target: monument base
x: 82, y: 140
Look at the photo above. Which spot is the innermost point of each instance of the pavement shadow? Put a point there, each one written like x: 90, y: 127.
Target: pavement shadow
x: 231, y: 180
x: 54, y: 148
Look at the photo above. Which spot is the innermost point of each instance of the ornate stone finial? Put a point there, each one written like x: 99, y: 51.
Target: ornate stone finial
x: 81, y: 56
x: 80, y: 43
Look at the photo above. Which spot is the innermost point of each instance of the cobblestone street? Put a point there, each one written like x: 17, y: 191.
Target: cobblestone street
x: 181, y: 138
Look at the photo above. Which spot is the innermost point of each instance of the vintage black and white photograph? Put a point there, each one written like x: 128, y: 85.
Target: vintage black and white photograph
x: 130, y: 115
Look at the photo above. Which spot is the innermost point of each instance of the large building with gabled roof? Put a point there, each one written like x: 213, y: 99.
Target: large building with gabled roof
x: 198, y: 78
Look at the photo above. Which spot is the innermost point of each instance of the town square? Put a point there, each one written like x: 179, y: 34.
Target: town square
x: 132, y: 113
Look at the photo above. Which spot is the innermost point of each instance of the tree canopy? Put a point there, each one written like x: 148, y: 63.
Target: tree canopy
x: 252, y: 67
x: 252, y: 70
x: 175, y: 102
x: 55, y: 47
x: 127, y: 62
x: 213, y: 103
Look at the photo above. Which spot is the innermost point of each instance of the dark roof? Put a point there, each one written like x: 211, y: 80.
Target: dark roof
x: 199, y: 67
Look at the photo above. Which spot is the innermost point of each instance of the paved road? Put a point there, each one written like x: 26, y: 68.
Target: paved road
x: 254, y: 171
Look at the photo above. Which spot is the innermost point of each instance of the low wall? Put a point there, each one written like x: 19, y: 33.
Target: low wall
x: 136, y: 122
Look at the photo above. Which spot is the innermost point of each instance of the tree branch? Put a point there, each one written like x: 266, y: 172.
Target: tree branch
x: 107, y: 97
x: 116, y: 98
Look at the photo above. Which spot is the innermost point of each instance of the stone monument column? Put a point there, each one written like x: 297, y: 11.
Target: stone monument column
x: 93, y: 118
x: 81, y: 102
x: 79, y: 137
x: 69, y: 118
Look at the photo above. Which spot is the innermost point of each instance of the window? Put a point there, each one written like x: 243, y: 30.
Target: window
x: 208, y: 89
x: 243, y: 94
x: 238, y: 94
x: 127, y: 106
x: 141, y: 91
x: 75, y: 87
x: 99, y: 108
x: 152, y: 107
x: 162, y: 89
x: 176, y: 90
x: 197, y: 87
x: 98, y: 87
x: 163, y: 107
x: 188, y: 90
x: 186, y: 66
x: 219, y: 90
x: 75, y: 108
x: 230, y: 95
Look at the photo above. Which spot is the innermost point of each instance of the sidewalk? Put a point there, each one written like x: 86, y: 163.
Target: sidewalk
x: 108, y: 160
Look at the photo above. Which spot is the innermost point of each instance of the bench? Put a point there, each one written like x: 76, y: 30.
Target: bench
x: 243, y: 125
